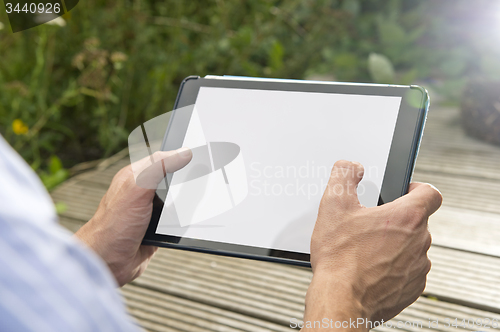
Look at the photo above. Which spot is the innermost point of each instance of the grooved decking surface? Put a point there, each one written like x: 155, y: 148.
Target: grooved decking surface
x: 186, y: 291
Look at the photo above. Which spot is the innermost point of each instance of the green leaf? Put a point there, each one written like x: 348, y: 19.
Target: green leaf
x: 55, y: 164
x: 276, y: 56
x: 51, y: 181
x: 380, y: 68
x: 61, y: 207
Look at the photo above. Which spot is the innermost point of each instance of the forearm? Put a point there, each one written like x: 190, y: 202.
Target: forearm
x: 89, y: 235
x: 122, y: 264
x: 331, y: 305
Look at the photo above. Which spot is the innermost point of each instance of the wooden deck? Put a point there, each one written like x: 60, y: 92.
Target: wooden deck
x: 184, y: 291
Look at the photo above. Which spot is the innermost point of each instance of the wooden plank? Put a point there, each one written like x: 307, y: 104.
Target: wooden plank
x: 467, y: 193
x: 459, y: 162
x: 276, y: 292
x: 425, y: 310
x: 464, y: 229
x: 178, y: 313
x: 104, y: 176
x: 464, y: 277
x: 447, y: 149
x: 71, y: 224
x: 162, y: 312
x: 467, y: 172
x: 83, y: 193
x: 81, y: 199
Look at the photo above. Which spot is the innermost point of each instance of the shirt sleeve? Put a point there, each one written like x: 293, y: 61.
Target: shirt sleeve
x: 48, y: 280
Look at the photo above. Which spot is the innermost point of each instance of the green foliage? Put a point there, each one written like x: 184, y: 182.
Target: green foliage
x: 381, y: 69
x: 61, y: 207
x: 76, y: 91
x: 55, y: 175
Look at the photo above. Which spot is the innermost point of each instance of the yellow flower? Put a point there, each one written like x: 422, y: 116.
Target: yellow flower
x: 19, y: 127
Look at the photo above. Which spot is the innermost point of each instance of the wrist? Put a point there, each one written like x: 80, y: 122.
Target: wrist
x: 332, y: 300
x: 89, y: 234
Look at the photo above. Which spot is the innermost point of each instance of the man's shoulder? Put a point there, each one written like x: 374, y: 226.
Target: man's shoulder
x: 23, y: 197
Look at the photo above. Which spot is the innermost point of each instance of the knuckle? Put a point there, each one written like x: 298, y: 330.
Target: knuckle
x: 158, y: 155
x: 429, y: 266
x: 343, y: 169
x: 432, y: 188
x: 428, y: 242
x: 354, y: 166
x: 358, y: 168
x: 123, y: 176
x: 426, y: 266
x: 342, y: 164
x: 123, y: 172
x: 438, y: 197
x: 433, y: 194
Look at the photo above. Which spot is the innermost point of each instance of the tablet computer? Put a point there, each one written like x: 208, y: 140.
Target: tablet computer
x: 263, y: 150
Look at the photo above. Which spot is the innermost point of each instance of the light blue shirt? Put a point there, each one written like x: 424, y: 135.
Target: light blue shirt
x: 49, y: 281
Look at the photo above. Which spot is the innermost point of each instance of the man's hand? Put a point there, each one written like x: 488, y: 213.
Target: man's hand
x: 368, y: 263
x: 116, y: 230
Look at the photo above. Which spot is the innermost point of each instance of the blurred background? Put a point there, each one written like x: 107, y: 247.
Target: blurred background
x: 71, y: 91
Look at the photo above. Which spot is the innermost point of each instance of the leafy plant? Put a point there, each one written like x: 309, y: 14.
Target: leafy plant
x: 381, y: 68
x: 76, y: 90
x: 55, y: 175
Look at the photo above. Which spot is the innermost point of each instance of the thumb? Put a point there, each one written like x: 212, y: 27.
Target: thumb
x: 148, y: 172
x: 422, y: 195
x: 342, y: 186
x: 173, y: 160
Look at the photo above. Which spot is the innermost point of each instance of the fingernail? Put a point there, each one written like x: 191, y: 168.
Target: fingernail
x: 184, y: 152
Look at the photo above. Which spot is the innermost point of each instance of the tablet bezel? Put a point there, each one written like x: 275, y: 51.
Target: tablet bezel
x: 402, y: 156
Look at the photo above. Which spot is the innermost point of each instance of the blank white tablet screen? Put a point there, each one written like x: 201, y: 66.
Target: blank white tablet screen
x: 288, y: 143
